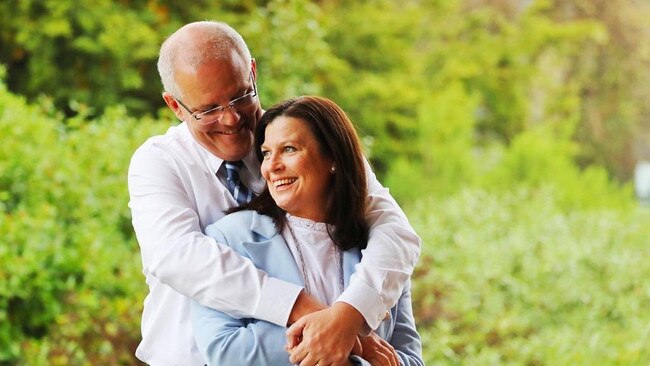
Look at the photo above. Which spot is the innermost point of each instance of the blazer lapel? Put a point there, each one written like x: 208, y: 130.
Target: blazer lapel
x: 271, y: 253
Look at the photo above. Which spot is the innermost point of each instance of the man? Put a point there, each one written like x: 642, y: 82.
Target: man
x: 179, y: 183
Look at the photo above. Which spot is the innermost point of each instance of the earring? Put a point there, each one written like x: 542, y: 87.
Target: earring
x: 332, y: 169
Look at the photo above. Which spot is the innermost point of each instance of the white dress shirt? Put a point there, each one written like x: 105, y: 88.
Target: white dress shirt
x: 175, y: 194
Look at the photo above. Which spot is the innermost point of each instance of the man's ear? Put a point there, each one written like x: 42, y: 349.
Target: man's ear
x: 254, y: 68
x: 173, y: 105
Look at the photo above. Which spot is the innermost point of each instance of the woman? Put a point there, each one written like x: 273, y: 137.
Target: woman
x: 307, y: 227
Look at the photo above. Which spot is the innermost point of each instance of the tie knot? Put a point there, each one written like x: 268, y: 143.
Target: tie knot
x: 239, y: 191
x: 232, y: 169
x: 237, y: 163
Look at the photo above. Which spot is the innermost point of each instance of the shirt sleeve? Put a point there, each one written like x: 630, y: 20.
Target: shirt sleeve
x: 387, y: 262
x: 175, y: 251
x: 223, y: 340
x: 405, y: 338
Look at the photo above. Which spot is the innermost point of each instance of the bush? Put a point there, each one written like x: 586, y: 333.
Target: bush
x: 444, y: 159
x: 512, y: 278
x: 72, y: 290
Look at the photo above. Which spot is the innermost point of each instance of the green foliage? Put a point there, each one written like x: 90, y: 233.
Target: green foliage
x: 443, y: 157
x: 539, y: 157
x: 96, y: 54
x: 613, y: 76
x: 514, y: 279
x: 527, y: 62
x: 501, y: 121
x: 288, y: 43
x: 71, y: 286
x: 379, y: 86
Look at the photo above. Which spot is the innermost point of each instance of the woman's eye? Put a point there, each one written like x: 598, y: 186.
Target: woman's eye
x: 266, y: 153
x: 289, y: 149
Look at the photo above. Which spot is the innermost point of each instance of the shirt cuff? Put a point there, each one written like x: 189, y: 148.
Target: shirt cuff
x: 276, y: 301
x: 366, y: 300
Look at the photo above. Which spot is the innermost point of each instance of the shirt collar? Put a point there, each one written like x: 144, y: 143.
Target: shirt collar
x: 250, y: 162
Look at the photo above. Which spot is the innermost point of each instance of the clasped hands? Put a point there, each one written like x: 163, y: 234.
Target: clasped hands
x: 329, y: 336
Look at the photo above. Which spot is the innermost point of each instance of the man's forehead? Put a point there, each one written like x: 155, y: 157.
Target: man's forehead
x: 232, y: 63
x: 218, y: 79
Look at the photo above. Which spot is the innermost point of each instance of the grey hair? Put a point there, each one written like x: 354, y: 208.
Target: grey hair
x: 194, y: 44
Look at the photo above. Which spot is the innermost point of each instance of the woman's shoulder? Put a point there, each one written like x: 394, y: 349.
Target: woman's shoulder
x: 236, y: 220
x: 239, y: 217
x: 241, y: 225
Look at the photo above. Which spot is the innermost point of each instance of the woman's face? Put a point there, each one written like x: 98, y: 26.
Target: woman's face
x: 296, y: 172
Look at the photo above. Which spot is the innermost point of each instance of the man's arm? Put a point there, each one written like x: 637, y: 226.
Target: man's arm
x: 176, y: 251
x: 224, y: 340
x: 389, y: 259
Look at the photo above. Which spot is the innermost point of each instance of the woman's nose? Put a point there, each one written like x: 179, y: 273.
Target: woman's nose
x: 275, y: 162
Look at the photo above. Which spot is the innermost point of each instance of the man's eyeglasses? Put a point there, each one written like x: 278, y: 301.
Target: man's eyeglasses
x: 215, y: 114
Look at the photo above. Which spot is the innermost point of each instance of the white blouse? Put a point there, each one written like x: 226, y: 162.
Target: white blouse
x: 317, y: 257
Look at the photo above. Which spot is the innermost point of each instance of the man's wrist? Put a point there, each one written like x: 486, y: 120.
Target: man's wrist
x: 367, y: 301
x: 305, y: 304
x: 353, y: 317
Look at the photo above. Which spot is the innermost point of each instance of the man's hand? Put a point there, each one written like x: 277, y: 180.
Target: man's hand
x: 325, y: 337
x: 347, y: 362
x: 378, y: 352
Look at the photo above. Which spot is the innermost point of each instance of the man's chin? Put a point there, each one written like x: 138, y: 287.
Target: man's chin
x: 232, y: 153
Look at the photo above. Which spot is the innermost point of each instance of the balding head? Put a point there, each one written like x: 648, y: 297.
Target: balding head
x: 195, y: 44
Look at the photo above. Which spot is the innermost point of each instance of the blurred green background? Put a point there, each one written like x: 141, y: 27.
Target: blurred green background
x: 508, y: 130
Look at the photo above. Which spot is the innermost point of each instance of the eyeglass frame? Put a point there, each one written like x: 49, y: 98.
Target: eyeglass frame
x: 219, y: 108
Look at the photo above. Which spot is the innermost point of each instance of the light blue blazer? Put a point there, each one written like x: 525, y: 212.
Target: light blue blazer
x: 224, y: 340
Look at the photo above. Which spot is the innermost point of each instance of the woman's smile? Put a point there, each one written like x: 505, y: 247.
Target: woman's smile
x: 283, y: 183
x: 295, y: 169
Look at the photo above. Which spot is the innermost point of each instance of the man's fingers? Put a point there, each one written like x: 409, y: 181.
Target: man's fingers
x: 326, y: 337
x: 309, y: 360
x: 391, y: 352
x: 358, y: 348
x: 385, y: 354
x: 298, y: 354
x: 382, y: 359
x: 292, y: 342
x: 296, y: 328
x: 378, y: 351
x: 294, y: 333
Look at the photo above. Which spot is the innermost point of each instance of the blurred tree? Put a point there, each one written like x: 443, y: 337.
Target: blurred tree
x: 381, y: 81
x: 614, y: 76
x: 288, y: 41
x: 97, y: 54
x: 498, y: 94
x: 526, y: 61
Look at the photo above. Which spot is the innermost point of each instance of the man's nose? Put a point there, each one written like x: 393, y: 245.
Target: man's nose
x: 230, y: 117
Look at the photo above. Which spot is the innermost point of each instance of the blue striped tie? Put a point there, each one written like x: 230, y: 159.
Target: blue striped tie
x: 239, y: 191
